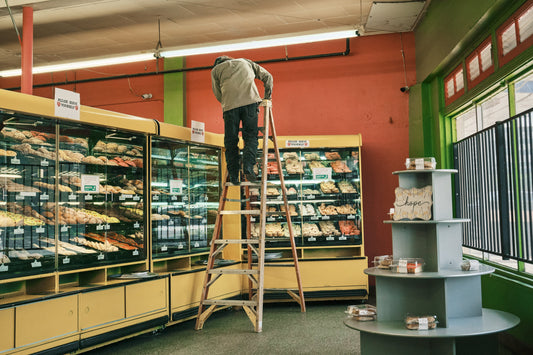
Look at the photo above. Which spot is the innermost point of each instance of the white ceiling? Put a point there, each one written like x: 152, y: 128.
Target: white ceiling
x: 72, y: 30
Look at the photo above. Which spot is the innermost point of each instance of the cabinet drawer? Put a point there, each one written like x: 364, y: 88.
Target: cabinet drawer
x: 145, y: 297
x: 47, y: 319
x: 101, y: 307
x: 7, y: 329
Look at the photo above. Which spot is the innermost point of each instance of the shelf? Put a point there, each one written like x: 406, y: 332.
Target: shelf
x: 443, y: 274
x: 425, y: 171
x: 491, y: 321
x: 442, y: 221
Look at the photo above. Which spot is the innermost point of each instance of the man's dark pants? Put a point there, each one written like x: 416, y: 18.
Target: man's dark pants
x: 248, y: 115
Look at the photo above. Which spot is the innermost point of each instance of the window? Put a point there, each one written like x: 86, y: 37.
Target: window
x: 479, y: 63
x: 466, y: 124
x: 516, y: 34
x: 524, y: 94
x: 495, y: 109
x: 454, y: 85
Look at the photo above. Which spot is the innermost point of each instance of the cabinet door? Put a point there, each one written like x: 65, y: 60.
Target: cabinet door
x: 101, y: 307
x: 186, y: 289
x: 45, y: 320
x: 146, y: 297
x: 7, y: 329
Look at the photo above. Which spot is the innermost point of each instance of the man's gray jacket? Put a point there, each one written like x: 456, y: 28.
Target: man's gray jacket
x: 233, y: 83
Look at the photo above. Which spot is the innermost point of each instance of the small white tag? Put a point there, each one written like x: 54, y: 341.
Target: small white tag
x: 44, y: 162
x: 180, y: 246
x: 36, y: 264
x: 135, y: 252
x: 72, y: 197
x: 419, y: 164
x: 100, y: 256
x: 164, y: 248
x: 136, y: 225
x: 271, y: 219
x: 310, y: 197
x: 4, y: 268
x: 155, y: 197
x: 44, y: 197
x: 325, y: 218
x: 351, y: 216
x: 107, y: 227
x: 423, y: 324
x: 136, y: 198
x: 342, y: 238
x: 402, y: 266
x: 19, y: 230
x: 314, y: 218
x: 15, y: 161
x: 66, y: 260
x: 196, y: 245
x: 39, y: 230
x: 330, y: 238
x: 64, y: 228
x: 311, y: 239
x: 88, y: 197
x: 99, y: 227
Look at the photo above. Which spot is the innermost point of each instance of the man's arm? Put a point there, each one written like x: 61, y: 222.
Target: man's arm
x: 263, y: 75
x: 216, y: 86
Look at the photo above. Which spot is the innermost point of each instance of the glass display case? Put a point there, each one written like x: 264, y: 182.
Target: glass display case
x: 185, y: 192
x: 71, y: 196
x: 323, y: 190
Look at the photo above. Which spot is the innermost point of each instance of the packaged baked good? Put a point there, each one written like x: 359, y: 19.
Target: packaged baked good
x: 423, y: 322
x: 408, y: 265
x: 383, y: 262
x: 363, y: 312
x: 420, y: 163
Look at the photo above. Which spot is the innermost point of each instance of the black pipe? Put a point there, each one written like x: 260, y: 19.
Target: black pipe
x: 126, y: 76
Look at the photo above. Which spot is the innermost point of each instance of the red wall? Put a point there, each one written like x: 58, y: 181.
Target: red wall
x: 121, y: 95
x: 358, y: 93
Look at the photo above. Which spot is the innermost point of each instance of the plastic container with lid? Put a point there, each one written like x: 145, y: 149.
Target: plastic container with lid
x: 424, y: 322
x: 420, y: 163
x: 408, y: 265
x: 363, y: 312
x: 383, y: 261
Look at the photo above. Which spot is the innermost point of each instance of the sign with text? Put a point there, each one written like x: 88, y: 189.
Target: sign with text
x: 321, y: 173
x: 67, y: 104
x: 197, y: 131
x: 300, y: 143
x: 90, y: 183
x: 413, y: 203
x: 176, y: 186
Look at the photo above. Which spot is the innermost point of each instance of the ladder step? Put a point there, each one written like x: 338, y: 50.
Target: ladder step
x: 234, y: 271
x: 248, y: 212
x: 236, y: 241
x: 230, y: 303
x: 278, y: 265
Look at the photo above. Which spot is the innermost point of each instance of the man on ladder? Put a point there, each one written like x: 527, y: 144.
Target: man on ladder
x: 234, y: 87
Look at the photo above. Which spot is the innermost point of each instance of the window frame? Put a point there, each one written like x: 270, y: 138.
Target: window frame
x: 520, y: 46
x: 483, y: 74
x: 453, y: 76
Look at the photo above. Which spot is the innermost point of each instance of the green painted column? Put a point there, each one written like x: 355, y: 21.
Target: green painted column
x: 174, y: 92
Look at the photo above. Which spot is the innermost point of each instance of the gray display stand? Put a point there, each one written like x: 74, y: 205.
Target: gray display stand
x: 442, y: 289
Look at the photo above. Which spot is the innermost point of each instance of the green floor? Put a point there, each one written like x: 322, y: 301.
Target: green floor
x: 285, y: 331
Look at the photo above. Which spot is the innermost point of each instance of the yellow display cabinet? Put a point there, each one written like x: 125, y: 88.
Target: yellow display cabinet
x: 322, y: 176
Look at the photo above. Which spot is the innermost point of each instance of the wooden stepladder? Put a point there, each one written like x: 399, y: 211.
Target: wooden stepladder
x: 254, y: 270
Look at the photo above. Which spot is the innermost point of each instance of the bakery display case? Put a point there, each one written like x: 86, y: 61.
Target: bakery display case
x: 71, y: 196
x: 322, y: 175
x: 185, y: 191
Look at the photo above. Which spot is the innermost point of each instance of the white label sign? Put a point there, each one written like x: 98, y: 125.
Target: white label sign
x: 322, y: 173
x: 90, y: 183
x: 67, y: 104
x: 297, y: 143
x: 197, y: 131
x: 176, y: 186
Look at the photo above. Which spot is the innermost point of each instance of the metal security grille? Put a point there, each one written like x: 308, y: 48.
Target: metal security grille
x: 494, y: 188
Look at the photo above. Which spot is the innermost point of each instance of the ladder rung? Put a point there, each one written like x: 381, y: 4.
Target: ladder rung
x: 248, y: 212
x: 231, y: 303
x: 236, y: 241
x: 234, y: 271
x: 279, y: 265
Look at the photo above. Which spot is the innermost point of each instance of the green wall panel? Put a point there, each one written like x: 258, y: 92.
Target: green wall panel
x: 174, y: 86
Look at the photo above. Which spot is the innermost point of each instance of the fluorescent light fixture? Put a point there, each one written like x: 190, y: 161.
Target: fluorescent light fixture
x: 83, y: 64
x: 261, y: 43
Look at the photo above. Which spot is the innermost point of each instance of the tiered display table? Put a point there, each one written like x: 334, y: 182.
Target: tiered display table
x: 442, y: 289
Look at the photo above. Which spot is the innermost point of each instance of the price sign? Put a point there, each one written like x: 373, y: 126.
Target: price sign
x: 322, y: 173
x: 64, y: 228
x: 15, y: 161
x: 44, y: 162
x: 136, y: 198
x: 155, y: 197
x: 72, y: 197
x: 164, y: 248
x: 44, y: 196
x: 99, y: 227
x: 271, y: 219
x: 196, y: 245
x: 325, y: 218
x: 176, y: 186
x: 4, y: 268
x: 90, y: 183
x: 66, y: 260
x: 342, y: 238
x: 180, y: 246
x: 402, y: 266
x: 100, y: 256
x: 135, y: 252
x: 329, y: 239
x: 311, y: 239
x: 39, y: 230
x: 136, y: 225
x: 419, y: 165
x: 19, y: 230
x: 351, y: 216
x: 88, y: 197
x: 36, y: 264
